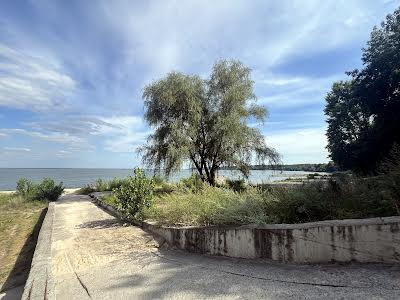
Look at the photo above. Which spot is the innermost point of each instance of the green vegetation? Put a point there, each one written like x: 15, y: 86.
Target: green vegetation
x: 363, y: 112
x: 46, y: 190
x: 204, y: 122
x: 135, y: 193
x: 19, y: 218
x: 193, y: 202
x: 102, y: 185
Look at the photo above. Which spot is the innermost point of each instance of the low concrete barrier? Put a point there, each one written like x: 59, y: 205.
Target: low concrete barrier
x: 40, y: 283
x: 361, y: 240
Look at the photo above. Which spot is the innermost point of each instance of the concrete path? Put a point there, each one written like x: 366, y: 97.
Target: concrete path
x: 94, y: 256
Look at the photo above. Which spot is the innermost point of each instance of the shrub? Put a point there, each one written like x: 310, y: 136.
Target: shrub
x: 101, y: 185
x: 25, y: 188
x: 135, y: 193
x: 194, y: 183
x: 46, y: 190
x: 390, y: 177
x: 115, y: 183
x: 158, y: 180
x: 238, y: 185
x: 87, y: 189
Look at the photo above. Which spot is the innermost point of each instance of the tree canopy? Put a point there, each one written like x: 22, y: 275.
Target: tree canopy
x: 363, y: 113
x: 205, y: 122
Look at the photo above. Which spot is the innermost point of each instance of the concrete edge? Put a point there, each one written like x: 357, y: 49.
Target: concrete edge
x: 40, y: 283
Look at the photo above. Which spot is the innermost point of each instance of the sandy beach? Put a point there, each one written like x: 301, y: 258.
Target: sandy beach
x: 66, y: 191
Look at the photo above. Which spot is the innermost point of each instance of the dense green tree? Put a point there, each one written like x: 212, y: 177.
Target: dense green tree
x: 364, y: 112
x: 204, y: 122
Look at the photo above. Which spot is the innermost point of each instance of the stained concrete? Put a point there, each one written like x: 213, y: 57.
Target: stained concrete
x: 95, y: 256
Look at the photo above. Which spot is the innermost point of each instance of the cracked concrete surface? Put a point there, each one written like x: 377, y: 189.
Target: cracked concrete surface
x: 95, y: 256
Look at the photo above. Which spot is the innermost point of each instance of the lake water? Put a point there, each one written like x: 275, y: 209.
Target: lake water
x: 73, y: 178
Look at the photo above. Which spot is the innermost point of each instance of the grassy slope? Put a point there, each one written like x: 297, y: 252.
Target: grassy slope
x: 18, y: 219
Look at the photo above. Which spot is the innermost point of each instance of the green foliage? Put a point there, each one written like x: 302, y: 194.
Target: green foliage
x: 25, y: 188
x: 110, y: 199
x: 339, y: 198
x: 46, y: 190
x: 238, y: 185
x: 101, y: 185
x: 87, y: 189
x: 204, y: 122
x: 390, y: 177
x: 194, y: 183
x: 158, y: 180
x: 363, y: 112
x: 135, y: 193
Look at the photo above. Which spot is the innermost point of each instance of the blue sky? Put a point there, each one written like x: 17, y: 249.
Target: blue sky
x: 72, y: 72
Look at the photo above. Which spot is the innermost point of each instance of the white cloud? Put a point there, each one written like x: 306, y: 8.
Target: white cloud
x: 56, y: 137
x: 16, y: 149
x: 28, y: 82
x: 300, y: 146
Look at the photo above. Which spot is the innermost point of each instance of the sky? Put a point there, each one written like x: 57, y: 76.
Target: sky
x: 72, y: 73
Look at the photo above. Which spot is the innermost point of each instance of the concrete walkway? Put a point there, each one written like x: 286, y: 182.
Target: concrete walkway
x: 94, y: 256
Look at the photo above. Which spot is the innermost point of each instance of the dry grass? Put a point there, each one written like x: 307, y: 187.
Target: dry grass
x: 18, y: 219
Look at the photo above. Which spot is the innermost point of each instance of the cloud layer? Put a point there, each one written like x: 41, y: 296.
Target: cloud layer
x: 72, y: 72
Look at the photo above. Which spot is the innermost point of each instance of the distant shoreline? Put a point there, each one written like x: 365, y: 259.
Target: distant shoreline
x: 66, y: 191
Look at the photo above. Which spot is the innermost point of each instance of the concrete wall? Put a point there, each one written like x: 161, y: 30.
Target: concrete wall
x: 40, y: 282
x: 364, y: 240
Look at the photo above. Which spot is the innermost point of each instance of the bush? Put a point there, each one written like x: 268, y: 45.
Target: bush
x: 238, y: 185
x: 390, y: 177
x: 25, y: 188
x: 135, y: 193
x: 101, y: 185
x: 87, y: 189
x: 115, y: 183
x: 194, y: 183
x: 46, y: 190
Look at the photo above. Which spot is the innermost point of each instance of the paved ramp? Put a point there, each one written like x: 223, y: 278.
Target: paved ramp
x: 94, y: 256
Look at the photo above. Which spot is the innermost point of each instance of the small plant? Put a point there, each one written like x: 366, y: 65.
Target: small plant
x: 135, y: 193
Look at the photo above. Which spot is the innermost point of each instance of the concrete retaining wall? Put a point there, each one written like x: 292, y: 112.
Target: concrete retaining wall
x: 364, y: 240
x: 40, y: 283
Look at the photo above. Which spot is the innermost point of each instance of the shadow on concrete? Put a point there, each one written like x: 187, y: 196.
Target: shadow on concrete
x: 101, y: 224
x: 19, y: 273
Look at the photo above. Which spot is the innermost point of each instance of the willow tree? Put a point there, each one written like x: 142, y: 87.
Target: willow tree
x: 205, y: 122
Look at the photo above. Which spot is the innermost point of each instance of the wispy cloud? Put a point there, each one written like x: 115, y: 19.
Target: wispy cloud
x: 16, y: 149
x: 72, y: 73
x: 31, y: 83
